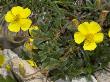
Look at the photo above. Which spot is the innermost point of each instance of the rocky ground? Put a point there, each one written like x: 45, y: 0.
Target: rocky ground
x: 100, y: 76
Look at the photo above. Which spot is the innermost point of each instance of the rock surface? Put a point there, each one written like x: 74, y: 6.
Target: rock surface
x: 102, y: 76
x: 79, y: 80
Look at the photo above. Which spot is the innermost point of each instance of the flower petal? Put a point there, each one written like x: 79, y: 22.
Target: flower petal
x: 98, y: 37
x: 28, y: 46
x: 89, y: 45
x: 26, y: 12
x: 17, y: 10
x: 94, y: 27
x: 79, y: 37
x: 9, y: 17
x: 2, y: 60
x: 26, y: 23
x: 8, y: 67
x: 32, y: 63
x: 109, y: 33
x: 14, y: 27
x: 83, y: 28
x: 33, y: 28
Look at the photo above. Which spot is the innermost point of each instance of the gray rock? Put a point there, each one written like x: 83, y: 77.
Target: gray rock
x: 79, y: 80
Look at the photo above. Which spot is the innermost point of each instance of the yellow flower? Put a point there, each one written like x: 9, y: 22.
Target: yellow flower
x: 18, y: 19
x: 32, y: 63
x: 109, y: 33
x: 8, y: 67
x: 2, y: 60
x: 29, y: 45
x: 33, y: 28
x: 90, y: 34
x: 75, y: 22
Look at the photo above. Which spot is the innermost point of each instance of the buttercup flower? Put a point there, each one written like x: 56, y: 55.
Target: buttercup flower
x: 29, y: 45
x: 90, y: 34
x: 18, y: 19
x: 33, y: 27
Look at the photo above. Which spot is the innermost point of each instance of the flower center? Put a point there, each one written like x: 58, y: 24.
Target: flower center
x: 17, y: 18
x: 89, y: 38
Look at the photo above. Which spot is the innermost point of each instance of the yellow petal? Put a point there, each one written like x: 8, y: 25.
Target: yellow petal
x: 32, y: 63
x: 16, y: 11
x: 89, y: 45
x: 33, y: 28
x: 8, y: 67
x: 83, y: 28
x: 31, y: 39
x: 79, y: 37
x: 28, y: 46
x: 25, y: 13
x: 14, y: 27
x: 22, y: 69
x: 26, y: 23
x: 9, y: 17
x: 98, y: 37
x: 75, y: 22
x: 2, y: 60
x: 109, y: 33
x: 94, y: 27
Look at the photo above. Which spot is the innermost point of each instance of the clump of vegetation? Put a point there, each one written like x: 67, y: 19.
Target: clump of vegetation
x: 66, y: 38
